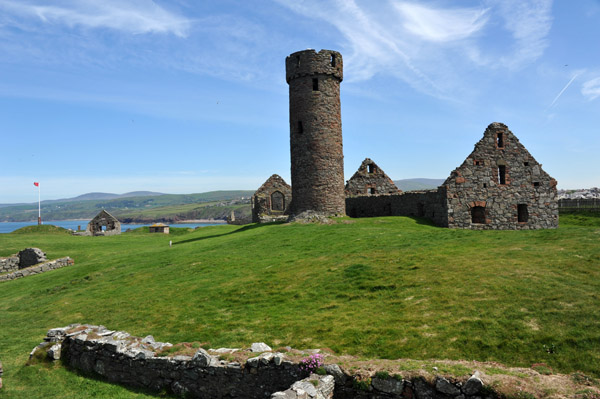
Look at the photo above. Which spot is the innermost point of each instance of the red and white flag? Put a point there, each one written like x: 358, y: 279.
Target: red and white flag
x: 36, y: 184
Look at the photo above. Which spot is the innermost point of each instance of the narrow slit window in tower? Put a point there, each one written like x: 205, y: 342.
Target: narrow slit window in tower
x: 501, y: 174
x: 297, y: 61
x: 315, y: 84
x: 300, y: 127
x: 332, y: 60
x: 478, y: 214
x: 500, y: 140
x: 522, y: 213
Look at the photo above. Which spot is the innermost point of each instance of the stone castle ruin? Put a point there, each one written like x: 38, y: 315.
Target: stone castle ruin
x: 103, y: 224
x: 370, y: 179
x: 499, y: 186
x: 271, y: 202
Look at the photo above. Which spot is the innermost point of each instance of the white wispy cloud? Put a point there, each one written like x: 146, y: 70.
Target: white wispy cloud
x: 591, y: 89
x: 441, y: 25
x: 133, y: 16
x: 529, y: 22
x: 411, y: 40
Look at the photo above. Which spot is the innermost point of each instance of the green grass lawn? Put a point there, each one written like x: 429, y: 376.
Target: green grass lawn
x: 380, y: 287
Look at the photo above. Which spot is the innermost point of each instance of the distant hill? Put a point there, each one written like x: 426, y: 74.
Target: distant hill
x: 172, y: 207
x: 418, y: 184
x: 105, y: 196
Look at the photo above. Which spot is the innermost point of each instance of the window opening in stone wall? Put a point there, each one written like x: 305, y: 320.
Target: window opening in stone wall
x: 420, y: 209
x: 277, y: 201
x: 477, y: 162
x: 370, y: 168
x: 297, y: 61
x: 484, y: 185
x: 525, y: 163
x: 478, y: 214
x: 500, y: 140
x: 522, y: 213
x: 332, y: 60
x: 371, y: 190
x: 300, y: 128
x: 536, y: 184
x: 501, y: 174
x: 315, y: 84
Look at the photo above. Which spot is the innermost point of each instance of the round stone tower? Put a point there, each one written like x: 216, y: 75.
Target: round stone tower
x: 317, y: 155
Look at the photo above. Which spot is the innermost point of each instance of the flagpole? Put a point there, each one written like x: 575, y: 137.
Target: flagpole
x: 39, y: 205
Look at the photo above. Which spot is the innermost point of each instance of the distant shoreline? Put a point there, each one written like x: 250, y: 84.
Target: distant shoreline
x: 158, y: 220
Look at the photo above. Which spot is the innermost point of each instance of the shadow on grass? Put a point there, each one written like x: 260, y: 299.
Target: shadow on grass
x: 240, y: 230
x: 163, y: 393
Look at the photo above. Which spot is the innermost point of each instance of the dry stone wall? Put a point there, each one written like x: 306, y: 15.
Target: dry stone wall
x: 121, y: 358
x: 9, y: 264
x: 37, y: 269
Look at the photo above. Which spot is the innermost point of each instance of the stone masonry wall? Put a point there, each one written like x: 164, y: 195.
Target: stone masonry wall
x: 9, y: 264
x: 121, y: 358
x: 37, y: 269
x: 317, y: 158
x: 477, y: 183
x: 266, y: 208
x: 429, y: 204
x: 370, y: 179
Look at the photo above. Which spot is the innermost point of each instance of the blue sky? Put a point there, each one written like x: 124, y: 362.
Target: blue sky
x: 182, y: 96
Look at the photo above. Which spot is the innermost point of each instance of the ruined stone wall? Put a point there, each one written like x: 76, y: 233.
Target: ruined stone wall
x: 121, y: 358
x: 317, y: 158
x: 370, y: 179
x: 429, y: 204
x: 37, y: 269
x: 503, y: 180
x: 271, y: 201
x: 103, y: 219
x: 9, y: 264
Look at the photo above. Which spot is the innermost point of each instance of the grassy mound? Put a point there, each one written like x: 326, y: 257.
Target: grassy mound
x: 382, y: 287
x: 41, y: 229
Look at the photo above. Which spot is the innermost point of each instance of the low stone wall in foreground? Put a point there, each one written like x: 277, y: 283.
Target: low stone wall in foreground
x: 37, y: 269
x: 138, y: 362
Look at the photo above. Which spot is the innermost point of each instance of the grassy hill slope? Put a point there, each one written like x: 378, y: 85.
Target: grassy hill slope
x: 382, y: 287
x: 87, y: 209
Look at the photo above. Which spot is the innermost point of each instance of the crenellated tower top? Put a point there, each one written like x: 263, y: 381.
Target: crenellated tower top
x: 309, y: 62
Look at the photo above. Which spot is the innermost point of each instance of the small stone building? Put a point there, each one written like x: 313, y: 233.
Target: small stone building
x: 271, y: 202
x: 159, y: 228
x: 104, y: 224
x: 370, y: 179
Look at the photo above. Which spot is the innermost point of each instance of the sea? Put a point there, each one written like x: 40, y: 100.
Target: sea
x: 9, y: 227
